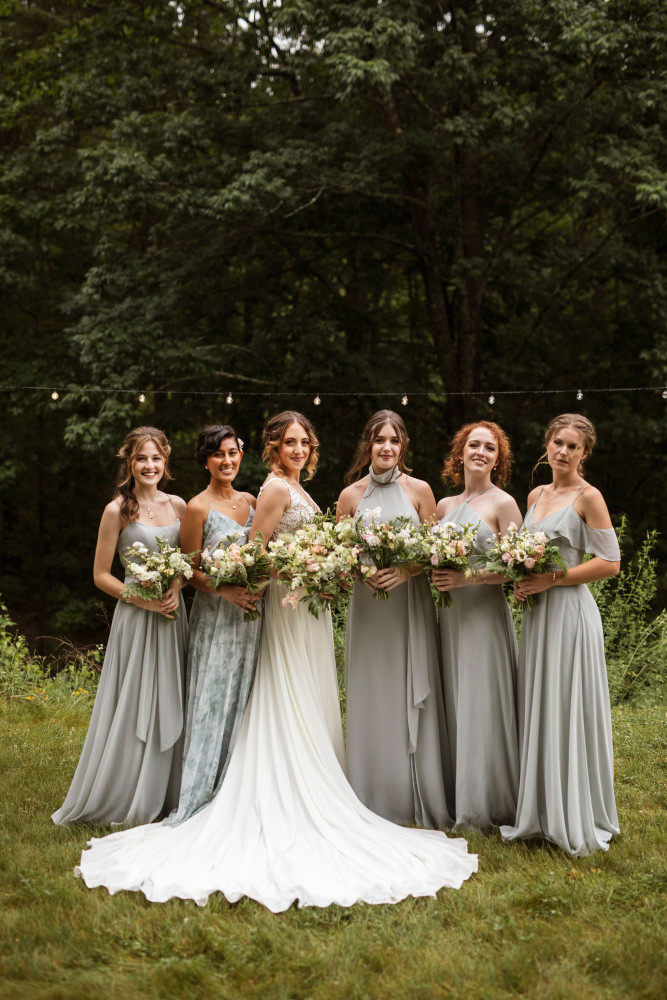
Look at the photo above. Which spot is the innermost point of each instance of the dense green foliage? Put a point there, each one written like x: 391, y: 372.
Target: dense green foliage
x: 307, y: 196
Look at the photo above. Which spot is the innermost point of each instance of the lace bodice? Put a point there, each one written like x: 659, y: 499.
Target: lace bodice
x: 299, y: 512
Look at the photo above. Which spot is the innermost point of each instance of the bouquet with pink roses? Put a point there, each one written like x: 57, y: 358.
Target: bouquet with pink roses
x: 518, y: 552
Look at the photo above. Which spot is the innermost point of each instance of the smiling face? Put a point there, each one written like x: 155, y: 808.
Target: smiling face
x: 480, y: 451
x: 293, y: 450
x: 385, y: 448
x: 223, y: 463
x: 566, y: 448
x: 148, y: 464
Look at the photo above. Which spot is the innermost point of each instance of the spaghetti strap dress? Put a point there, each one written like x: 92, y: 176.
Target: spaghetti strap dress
x: 566, y: 790
x: 398, y: 753
x: 222, y: 656
x: 285, y: 826
x: 479, y: 670
x: 130, y: 767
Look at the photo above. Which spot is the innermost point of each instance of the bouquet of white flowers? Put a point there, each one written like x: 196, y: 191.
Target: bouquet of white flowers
x: 380, y: 544
x: 239, y: 565
x: 443, y: 546
x: 315, y: 563
x: 520, y: 551
x: 154, y: 572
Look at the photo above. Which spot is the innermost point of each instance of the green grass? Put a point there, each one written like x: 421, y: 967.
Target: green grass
x: 532, y: 923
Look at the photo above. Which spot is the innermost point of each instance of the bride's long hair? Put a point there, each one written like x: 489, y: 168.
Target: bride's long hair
x: 132, y: 445
x: 373, y: 427
x: 274, y: 432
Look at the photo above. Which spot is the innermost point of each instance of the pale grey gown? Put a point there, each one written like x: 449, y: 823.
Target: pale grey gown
x: 130, y: 766
x: 566, y: 791
x: 285, y: 825
x: 479, y: 671
x: 222, y: 656
x: 398, y: 757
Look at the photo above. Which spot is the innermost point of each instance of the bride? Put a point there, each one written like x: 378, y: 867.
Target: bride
x: 285, y: 825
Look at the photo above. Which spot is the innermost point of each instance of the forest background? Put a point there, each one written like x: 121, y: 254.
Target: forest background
x: 354, y: 200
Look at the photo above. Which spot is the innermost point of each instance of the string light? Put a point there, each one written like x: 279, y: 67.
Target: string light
x: 54, y: 394
x: 142, y: 398
x: 664, y: 393
x: 492, y: 399
x: 317, y: 401
x: 230, y: 398
x: 580, y: 394
x: 404, y: 400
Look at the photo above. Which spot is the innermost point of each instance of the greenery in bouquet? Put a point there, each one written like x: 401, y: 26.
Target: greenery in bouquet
x: 380, y: 544
x: 518, y: 552
x: 317, y: 564
x: 246, y: 565
x: 447, y: 545
x: 154, y: 572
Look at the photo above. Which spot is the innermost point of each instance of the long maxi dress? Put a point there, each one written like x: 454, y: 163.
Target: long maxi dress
x: 222, y: 655
x: 285, y: 825
x: 566, y: 791
x: 397, y: 748
x: 130, y: 766
x: 479, y: 669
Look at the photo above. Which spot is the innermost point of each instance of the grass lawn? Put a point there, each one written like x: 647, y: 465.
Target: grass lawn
x: 532, y: 923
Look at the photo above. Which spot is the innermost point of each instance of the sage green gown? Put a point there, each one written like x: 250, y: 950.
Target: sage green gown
x: 130, y: 766
x: 566, y: 790
x: 222, y: 656
x: 479, y: 671
x: 398, y: 757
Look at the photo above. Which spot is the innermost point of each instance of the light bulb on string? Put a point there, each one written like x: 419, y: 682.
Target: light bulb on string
x: 664, y: 393
x: 142, y: 398
x: 404, y: 401
x: 317, y: 401
x: 230, y: 398
x: 492, y: 399
x: 580, y: 395
x: 54, y: 394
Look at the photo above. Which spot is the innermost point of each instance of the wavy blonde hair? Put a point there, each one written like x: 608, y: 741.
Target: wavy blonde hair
x: 132, y: 445
x: 274, y: 432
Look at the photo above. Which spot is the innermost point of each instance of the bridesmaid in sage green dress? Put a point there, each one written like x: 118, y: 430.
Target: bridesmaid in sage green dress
x: 397, y: 750
x: 477, y: 640
x: 566, y: 788
x: 223, y: 647
x: 130, y: 766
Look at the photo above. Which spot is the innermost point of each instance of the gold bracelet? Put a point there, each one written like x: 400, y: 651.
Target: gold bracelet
x: 553, y: 577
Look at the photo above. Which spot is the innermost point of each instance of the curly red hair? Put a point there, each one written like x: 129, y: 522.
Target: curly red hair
x: 453, y: 468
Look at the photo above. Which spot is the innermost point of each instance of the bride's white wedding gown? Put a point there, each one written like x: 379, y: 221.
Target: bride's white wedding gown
x: 285, y: 825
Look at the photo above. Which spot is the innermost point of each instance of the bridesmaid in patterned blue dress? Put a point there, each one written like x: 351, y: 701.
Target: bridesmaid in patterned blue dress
x: 223, y: 647
x: 566, y: 789
x: 130, y: 766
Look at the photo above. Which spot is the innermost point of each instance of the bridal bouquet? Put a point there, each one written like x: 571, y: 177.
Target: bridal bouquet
x: 244, y: 565
x: 518, y: 552
x: 154, y: 572
x: 443, y: 546
x: 380, y: 544
x: 315, y: 563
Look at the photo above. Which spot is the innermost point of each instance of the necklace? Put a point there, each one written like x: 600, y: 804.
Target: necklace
x: 468, y: 499
x: 148, y: 509
x: 228, y: 500
x: 562, y: 493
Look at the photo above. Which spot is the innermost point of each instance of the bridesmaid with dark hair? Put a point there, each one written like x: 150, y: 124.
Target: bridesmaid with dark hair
x: 566, y: 790
x: 223, y: 647
x: 397, y: 749
x: 477, y: 640
x: 130, y: 767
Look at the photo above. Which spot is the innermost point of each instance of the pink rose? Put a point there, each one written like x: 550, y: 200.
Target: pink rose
x: 529, y: 562
x: 506, y: 557
x: 434, y: 560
